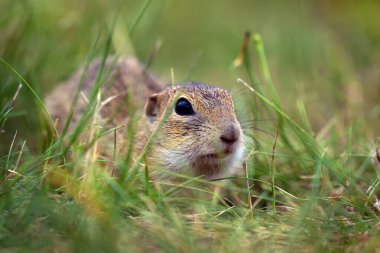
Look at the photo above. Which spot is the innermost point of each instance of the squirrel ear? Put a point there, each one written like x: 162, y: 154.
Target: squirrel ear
x: 151, y: 106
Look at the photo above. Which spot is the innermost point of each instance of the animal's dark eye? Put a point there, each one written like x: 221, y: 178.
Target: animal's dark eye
x: 183, y: 107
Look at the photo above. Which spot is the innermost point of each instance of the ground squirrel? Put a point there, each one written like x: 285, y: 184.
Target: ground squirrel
x: 201, y: 136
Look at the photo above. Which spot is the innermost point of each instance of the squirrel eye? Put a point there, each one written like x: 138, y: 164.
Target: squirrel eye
x: 184, y: 108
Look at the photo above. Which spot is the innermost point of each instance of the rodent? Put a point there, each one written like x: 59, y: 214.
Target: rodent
x: 125, y: 79
x: 201, y: 135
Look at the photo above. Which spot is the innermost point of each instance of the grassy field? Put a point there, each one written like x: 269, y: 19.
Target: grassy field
x: 312, y: 172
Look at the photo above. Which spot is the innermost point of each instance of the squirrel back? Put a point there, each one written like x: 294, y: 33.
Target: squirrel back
x: 124, y: 78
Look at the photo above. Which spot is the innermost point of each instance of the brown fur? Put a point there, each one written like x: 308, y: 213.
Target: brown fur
x: 188, y: 144
x: 126, y: 77
x: 192, y: 145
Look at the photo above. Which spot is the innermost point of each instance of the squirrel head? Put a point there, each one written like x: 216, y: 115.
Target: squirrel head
x: 200, y: 134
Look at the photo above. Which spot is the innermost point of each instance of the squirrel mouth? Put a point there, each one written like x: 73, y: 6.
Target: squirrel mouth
x: 211, y: 165
x: 210, y: 156
x: 208, y: 165
x: 216, y: 156
x: 212, y: 159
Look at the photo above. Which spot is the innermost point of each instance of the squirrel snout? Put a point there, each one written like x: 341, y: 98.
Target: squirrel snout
x: 229, y: 137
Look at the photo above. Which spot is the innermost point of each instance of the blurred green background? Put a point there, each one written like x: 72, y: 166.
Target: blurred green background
x: 326, y: 53
x: 324, y: 60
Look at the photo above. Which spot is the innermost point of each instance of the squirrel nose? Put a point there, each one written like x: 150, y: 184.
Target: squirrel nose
x: 230, y: 135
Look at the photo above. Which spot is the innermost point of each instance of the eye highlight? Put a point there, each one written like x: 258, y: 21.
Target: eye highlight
x: 184, y: 107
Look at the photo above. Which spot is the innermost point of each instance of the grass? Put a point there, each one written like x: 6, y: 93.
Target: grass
x: 309, y: 80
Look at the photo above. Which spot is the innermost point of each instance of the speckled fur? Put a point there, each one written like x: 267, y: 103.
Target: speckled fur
x: 125, y: 75
x: 185, y: 142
